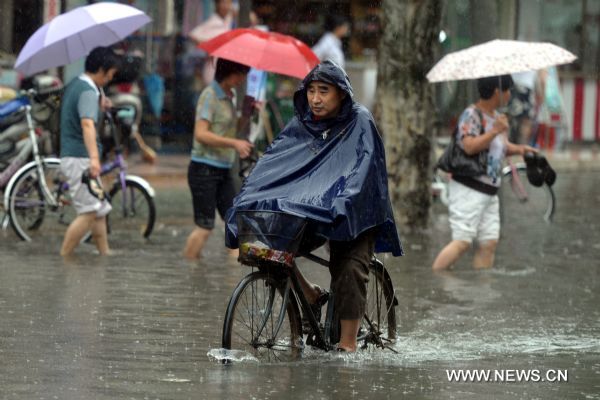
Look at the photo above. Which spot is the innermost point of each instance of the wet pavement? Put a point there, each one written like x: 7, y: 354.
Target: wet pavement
x: 141, y: 323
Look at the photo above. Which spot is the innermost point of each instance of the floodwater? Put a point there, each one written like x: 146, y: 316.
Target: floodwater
x: 144, y: 324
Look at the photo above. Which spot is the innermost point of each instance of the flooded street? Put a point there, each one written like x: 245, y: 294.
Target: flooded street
x: 141, y: 323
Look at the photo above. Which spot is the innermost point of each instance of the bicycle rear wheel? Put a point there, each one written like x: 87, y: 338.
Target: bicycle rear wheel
x: 133, y: 210
x: 263, y: 319
x: 30, y: 215
x: 378, y: 326
x: 521, y: 201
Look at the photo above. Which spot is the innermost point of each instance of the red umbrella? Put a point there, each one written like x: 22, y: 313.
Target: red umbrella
x: 267, y: 51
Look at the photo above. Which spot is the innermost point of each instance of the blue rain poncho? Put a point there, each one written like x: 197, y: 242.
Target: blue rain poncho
x: 330, y: 171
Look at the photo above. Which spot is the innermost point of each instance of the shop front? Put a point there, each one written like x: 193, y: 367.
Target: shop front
x: 172, y: 56
x: 571, y: 24
x: 574, y: 25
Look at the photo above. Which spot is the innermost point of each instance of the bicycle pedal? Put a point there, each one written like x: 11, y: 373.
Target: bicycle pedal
x: 311, y: 338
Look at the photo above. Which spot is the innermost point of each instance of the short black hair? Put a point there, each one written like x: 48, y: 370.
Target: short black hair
x: 332, y: 21
x: 488, y: 85
x: 226, y: 68
x: 102, y: 58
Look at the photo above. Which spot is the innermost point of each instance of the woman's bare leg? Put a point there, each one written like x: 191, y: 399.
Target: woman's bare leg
x: 195, y: 243
x: 450, y: 254
x: 485, y: 254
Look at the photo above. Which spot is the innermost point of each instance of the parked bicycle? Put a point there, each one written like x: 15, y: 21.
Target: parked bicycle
x: 25, y: 130
x: 265, y: 312
x: 38, y: 201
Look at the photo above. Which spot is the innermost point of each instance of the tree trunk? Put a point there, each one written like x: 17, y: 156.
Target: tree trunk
x: 404, y: 107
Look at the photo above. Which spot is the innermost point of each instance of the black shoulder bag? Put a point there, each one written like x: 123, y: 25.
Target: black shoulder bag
x: 457, y: 162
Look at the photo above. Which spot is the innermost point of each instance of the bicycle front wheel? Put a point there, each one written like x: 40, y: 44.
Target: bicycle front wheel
x: 30, y: 214
x: 263, y: 319
x: 133, y: 209
x: 378, y: 326
x: 520, y: 200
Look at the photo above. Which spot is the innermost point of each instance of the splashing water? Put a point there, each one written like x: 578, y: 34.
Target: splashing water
x: 231, y: 355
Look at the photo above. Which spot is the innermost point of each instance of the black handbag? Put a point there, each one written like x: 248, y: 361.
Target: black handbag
x: 454, y: 160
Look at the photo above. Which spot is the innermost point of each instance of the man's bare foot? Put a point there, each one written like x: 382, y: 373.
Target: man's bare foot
x: 313, y: 295
x: 345, y: 349
x: 233, y: 253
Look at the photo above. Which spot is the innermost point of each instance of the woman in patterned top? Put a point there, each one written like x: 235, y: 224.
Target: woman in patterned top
x: 473, y: 207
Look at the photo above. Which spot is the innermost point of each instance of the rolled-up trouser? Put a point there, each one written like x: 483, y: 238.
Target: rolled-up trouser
x: 349, y: 268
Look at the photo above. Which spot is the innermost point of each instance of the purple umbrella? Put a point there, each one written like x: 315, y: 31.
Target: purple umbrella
x: 71, y: 36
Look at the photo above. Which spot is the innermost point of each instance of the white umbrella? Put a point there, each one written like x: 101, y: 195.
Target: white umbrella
x: 498, y: 57
x: 72, y: 35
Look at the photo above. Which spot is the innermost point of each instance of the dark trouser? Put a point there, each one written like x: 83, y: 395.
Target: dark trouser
x: 212, y: 189
x: 349, y: 268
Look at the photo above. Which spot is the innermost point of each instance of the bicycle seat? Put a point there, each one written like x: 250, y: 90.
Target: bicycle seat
x: 12, y: 106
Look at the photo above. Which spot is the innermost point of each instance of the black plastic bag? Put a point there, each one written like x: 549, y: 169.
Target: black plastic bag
x: 457, y: 162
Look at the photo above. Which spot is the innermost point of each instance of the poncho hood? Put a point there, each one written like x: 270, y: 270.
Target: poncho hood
x: 331, y: 73
x: 330, y: 171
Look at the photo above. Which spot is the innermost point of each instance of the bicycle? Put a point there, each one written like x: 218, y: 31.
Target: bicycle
x: 26, y: 133
x: 523, y: 199
x: 265, y: 311
x: 31, y: 201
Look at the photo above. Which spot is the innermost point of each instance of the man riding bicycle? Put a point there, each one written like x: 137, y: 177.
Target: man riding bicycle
x: 328, y: 165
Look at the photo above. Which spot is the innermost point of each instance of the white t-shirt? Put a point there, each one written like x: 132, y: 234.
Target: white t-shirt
x: 525, y: 79
x: 329, y: 47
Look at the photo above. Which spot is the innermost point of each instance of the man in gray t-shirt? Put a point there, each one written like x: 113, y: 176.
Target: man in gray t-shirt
x: 80, y: 148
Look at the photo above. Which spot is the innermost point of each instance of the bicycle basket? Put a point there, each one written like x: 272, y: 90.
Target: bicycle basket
x: 268, y: 238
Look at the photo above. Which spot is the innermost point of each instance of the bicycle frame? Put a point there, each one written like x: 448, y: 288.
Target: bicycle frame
x: 320, y: 338
x: 118, y: 163
x: 516, y: 183
x: 37, y: 160
x: 293, y: 283
x: 14, y: 131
